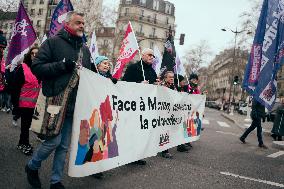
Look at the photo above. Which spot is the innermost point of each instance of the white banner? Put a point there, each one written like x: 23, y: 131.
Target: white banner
x: 115, y: 124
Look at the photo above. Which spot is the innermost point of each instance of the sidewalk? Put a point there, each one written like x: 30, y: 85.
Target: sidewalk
x: 239, y: 120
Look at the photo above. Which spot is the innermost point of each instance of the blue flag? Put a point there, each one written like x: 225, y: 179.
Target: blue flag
x: 22, y: 38
x: 58, y: 17
x: 267, y: 54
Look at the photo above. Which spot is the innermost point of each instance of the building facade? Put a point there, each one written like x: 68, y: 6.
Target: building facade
x: 150, y: 19
x: 221, y: 73
x: 41, y: 11
x: 7, y: 22
x: 105, y: 40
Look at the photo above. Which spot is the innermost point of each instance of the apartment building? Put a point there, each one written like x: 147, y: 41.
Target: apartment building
x: 105, y: 40
x: 151, y: 20
x: 221, y: 73
x: 41, y: 11
x: 7, y: 21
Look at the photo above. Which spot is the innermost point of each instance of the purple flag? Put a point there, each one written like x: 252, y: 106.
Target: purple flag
x: 58, y: 17
x: 22, y: 38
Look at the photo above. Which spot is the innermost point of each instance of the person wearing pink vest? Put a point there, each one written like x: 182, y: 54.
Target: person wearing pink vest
x: 27, y: 90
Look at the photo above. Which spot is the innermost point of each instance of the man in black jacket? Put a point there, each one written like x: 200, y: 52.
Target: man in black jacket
x: 257, y: 113
x: 54, y: 65
x: 134, y: 73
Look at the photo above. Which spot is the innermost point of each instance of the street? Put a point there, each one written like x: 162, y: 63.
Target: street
x: 217, y: 160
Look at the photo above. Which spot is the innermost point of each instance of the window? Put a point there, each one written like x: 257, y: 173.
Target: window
x: 126, y: 11
x: 49, y: 12
x: 128, y: 2
x: 142, y: 13
x: 32, y: 12
x: 156, y: 5
x: 155, y: 18
x: 143, y: 2
x: 105, y: 42
x: 40, y: 12
x: 167, y: 20
x: 41, y: 2
x: 140, y: 28
x: 153, y: 32
x: 38, y: 23
x: 168, y: 8
x: 151, y: 45
x: 34, y: 1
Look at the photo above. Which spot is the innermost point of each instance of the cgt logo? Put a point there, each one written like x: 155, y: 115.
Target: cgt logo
x: 164, y: 139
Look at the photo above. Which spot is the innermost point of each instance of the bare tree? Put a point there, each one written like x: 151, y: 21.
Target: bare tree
x: 92, y: 11
x: 249, y: 20
x: 197, y: 56
x: 109, y: 15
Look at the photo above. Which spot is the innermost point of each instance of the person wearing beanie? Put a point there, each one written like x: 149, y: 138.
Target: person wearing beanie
x: 193, y: 84
x: 103, y: 67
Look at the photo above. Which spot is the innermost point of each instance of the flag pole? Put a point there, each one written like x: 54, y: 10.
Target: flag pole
x: 177, y: 73
x: 141, y: 64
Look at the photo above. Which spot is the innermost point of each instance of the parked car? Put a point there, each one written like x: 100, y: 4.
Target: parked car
x: 242, y: 108
x: 213, y: 104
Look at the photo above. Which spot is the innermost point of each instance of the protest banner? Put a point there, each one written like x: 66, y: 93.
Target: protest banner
x: 115, y: 124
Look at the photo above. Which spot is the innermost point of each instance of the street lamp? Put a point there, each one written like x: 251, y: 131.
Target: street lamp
x: 236, y: 32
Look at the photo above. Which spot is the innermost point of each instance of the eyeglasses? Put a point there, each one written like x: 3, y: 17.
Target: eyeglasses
x: 151, y: 55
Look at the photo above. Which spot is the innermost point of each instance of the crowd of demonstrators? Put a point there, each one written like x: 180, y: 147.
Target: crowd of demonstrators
x: 54, y: 65
x: 25, y: 93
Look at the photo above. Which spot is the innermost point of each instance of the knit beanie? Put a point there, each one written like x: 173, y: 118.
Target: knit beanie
x: 99, y: 59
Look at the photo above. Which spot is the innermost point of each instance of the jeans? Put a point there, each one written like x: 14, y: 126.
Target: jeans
x: 256, y: 123
x: 60, y: 144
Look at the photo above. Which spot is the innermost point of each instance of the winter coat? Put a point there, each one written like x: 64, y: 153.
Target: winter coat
x: 278, y: 126
x: 258, y: 110
x: 134, y: 73
x: 50, y: 67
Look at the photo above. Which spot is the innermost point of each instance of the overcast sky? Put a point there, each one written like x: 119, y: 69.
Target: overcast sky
x: 203, y: 20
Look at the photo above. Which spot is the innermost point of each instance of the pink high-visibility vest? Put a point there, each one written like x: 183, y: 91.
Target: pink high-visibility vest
x: 195, y: 91
x: 30, y: 89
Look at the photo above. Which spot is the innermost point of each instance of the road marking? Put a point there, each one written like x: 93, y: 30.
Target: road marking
x: 253, y: 179
x: 205, y: 122
x: 223, y: 124
x: 227, y: 133
x: 277, y: 154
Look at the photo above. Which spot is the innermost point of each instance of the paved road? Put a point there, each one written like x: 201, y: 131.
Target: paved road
x: 218, y: 160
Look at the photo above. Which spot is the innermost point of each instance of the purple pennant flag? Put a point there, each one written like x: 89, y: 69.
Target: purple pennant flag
x: 22, y: 38
x: 58, y: 17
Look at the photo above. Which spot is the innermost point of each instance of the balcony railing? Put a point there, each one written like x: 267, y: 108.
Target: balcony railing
x: 146, y: 19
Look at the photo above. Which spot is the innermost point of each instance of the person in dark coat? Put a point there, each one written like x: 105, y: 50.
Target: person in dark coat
x: 257, y: 113
x: 278, y: 125
x: 54, y: 65
x: 134, y: 73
